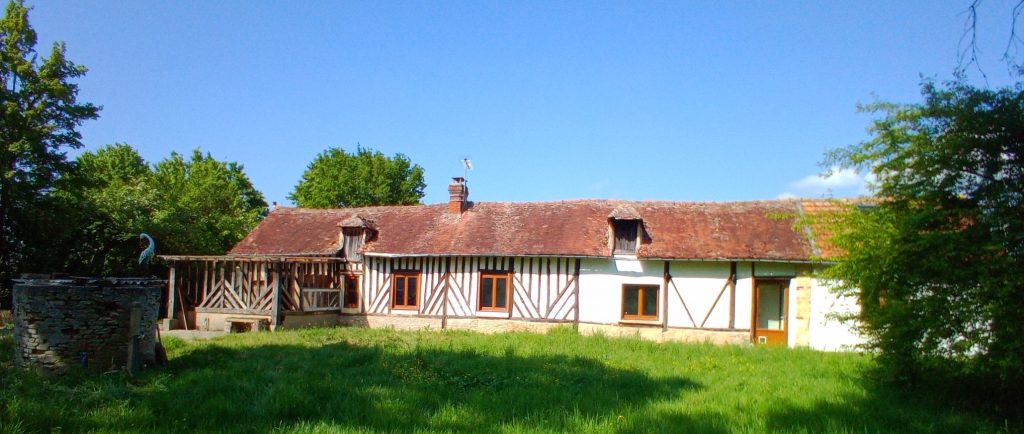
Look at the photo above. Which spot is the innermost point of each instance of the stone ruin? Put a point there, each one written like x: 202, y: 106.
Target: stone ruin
x: 95, y: 324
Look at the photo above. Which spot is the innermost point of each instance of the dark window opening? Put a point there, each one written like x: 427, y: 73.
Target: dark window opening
x: 351, y: 292
x: 625, y: 236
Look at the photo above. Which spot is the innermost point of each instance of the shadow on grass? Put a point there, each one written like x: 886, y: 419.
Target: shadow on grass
x: 352, y: 387
x: 885, y: 407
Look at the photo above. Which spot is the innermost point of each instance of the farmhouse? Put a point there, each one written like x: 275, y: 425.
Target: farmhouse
x: 728, y: 272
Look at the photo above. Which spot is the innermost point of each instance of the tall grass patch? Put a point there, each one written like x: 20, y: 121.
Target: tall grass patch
x: 381, y: 380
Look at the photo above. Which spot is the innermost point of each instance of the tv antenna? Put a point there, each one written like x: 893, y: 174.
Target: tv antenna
x: 466, y: 167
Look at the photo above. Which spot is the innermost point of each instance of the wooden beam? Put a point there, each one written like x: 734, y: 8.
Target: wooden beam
x: 171, y: 295
x: 275, y: 307
x: 444, y: 292
x: 576, y: 309
x: 664, y: 298
x: 732, y: 294
x: 753, y: 301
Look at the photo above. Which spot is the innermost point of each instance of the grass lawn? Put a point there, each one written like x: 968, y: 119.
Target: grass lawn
x: 355, y: 379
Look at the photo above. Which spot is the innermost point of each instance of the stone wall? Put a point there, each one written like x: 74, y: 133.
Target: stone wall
x: 59, y: 324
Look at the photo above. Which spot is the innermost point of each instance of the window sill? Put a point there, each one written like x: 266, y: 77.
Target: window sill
x: 641, y: 322
x: 405, y: 307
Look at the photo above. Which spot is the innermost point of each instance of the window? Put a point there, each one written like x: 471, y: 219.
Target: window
x: 494, y: 292
x: 625, y: 236
x: 405, y: 290
x: 351, y: 292
x: 640, y: 302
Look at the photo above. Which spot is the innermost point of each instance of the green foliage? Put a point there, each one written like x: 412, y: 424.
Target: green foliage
x: 203, y: 206
x: 39, y: 114
x: 96, y: 212
x: 936, y: 264
x: 106, y: 202
x: 380, y: 380
x: 367, y: 178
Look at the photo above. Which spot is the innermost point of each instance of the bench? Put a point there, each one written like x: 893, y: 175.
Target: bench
x: 240, y: 325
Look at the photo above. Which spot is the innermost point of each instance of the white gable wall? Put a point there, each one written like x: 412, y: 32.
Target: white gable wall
x: 826, y: 332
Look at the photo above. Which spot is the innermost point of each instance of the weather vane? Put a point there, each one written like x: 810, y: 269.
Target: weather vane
x: 466, y: 166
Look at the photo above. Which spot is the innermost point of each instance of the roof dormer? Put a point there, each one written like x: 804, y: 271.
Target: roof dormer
x: 355, y: 231
x: 626, y: 232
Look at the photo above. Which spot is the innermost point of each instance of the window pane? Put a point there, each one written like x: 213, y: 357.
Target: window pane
x: 630, y: 301
x: 412, y: 291
x: 771, y: 313
x: 399, y: 294
x: 651, y: 301
x: 502, y: 295
x: 486, y: 294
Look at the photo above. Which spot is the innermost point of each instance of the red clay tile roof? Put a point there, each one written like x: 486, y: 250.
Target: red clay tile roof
x: 673, y: 230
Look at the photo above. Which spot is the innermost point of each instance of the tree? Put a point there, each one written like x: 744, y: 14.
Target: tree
x: 203, y: 206
x: 937, y: 263
x: 107, y: 201
x: 40, y: 114
x: 367, y: 178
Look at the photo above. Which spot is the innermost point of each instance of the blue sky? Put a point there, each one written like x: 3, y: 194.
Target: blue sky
x: 551, y: 100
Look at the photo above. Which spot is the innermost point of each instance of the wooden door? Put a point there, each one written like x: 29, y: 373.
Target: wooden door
x: 771, y: 308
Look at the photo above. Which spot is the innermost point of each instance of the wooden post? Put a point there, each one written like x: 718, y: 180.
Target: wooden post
x: 275, y: 307
x: 134, y: 321
x: 512, y: 296
x: 753, y: 301
x: 299, y: 283
x: 732, y: 295
x: 444, y: 293
x: 576, y: 291
x: 171, y: 296
x: 664, y: 298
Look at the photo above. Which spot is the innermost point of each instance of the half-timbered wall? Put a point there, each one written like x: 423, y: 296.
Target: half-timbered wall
x: 542, y: 288
x: 248, y: 286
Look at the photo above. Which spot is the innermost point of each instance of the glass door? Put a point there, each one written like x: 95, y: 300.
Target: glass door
x: 770, y: 306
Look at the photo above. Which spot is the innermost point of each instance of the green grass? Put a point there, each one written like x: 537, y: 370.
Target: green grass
x: 362, y: 380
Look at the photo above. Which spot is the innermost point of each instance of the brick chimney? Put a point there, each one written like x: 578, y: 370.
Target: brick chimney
x: 458, y: 196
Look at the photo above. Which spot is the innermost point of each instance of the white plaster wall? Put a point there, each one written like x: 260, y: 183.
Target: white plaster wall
x: 601, y: 283
x: 699, y: 284
x: 826, y: 332
x: 744, y: 295
x: 775, y: 269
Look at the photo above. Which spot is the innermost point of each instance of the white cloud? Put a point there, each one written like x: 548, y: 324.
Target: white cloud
x: 838, y: 183
x: 837, y: 178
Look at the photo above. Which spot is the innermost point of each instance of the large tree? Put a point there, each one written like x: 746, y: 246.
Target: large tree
x: 937, y: 262
x: 203, y: 206
x: 39, y: 117
x: 366, y: 178
x: 105, y: 203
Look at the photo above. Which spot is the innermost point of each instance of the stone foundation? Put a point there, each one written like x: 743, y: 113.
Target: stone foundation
x: 487, y: 325
x: 718, y: 337
x: 59, y: 324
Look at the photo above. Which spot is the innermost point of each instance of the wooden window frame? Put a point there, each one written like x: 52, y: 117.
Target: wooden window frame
x: 344, y: 288
x: 494, y: 288
x: 639, y: 303
x: 394, y: 290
